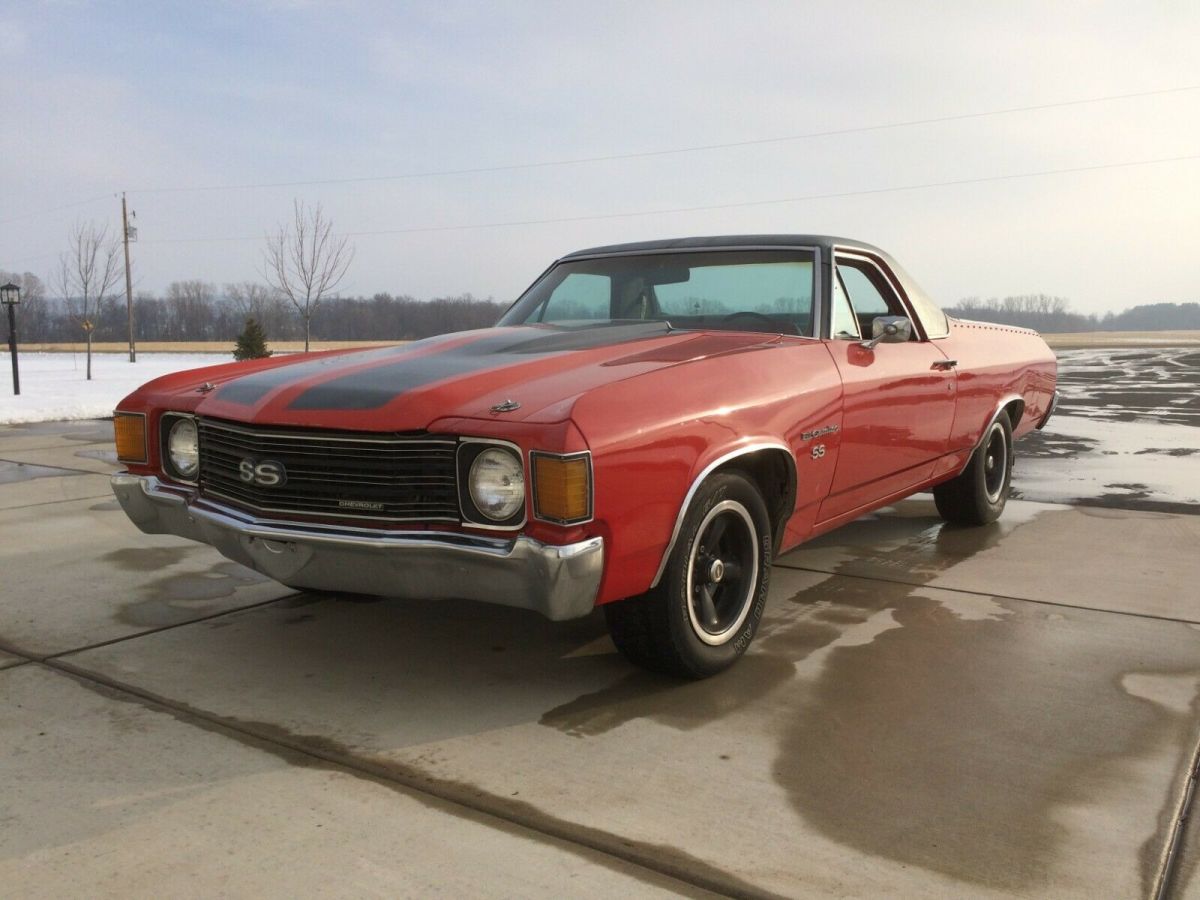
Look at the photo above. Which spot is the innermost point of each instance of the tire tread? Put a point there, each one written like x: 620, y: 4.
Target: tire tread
x: 641, y: 627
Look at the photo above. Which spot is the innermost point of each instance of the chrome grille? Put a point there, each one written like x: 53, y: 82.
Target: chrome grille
x: 346, y: 474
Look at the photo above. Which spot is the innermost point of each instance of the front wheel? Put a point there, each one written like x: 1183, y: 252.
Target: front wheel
x: 978, y: 495
x: 704, y: 612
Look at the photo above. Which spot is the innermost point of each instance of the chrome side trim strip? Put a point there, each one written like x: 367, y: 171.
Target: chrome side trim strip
x: 699, y: 479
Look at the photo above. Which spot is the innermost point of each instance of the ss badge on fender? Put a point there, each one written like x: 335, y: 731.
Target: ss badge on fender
x: 818, y: 451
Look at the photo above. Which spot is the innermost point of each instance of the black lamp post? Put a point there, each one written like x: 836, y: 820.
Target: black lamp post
x: 10, y: 296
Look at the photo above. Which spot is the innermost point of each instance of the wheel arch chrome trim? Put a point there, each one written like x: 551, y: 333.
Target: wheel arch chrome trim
x: 1006, y: 401
x: 744, y: 450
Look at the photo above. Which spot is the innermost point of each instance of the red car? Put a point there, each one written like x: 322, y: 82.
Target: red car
x: 646, y: 428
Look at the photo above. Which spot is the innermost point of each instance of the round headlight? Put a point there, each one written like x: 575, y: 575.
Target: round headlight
x: 183, y: 448
x: 497, y: 483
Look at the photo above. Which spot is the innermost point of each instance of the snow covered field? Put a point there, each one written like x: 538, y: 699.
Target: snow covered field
x: 54, y: 385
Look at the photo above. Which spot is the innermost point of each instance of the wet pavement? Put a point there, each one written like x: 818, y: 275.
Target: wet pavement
x: 928, y: 711
x: 1126, y: 434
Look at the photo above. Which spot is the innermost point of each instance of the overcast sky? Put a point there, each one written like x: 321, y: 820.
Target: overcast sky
x: 152, y: 98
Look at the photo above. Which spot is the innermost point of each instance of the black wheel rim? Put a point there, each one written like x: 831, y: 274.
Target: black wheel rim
x: 995, y: 462
x: 722, y: 572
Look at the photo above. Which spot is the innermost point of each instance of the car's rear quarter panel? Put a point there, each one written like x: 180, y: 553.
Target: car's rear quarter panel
x: 996, y: 363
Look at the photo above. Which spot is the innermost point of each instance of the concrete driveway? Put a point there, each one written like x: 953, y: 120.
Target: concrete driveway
x: 928, y: 711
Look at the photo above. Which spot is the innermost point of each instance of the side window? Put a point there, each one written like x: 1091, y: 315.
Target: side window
x: 870, y: 294
x: 931, y: 317
x: 845, y: 326
x: 580, y: 296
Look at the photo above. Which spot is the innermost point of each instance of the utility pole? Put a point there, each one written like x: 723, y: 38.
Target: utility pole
x: 129, y: 232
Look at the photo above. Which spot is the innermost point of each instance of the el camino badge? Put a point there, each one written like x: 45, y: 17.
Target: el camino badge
x: 817, y: 432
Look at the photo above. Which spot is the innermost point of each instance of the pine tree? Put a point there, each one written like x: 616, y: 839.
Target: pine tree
x: 251, y: 343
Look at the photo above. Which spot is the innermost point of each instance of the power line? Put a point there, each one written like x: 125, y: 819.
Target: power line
x: 645, y: 154
x: 42, y: 212
x: 427, y: 229
x: 614, y: 157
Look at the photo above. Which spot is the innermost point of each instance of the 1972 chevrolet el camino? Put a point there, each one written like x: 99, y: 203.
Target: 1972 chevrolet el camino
x: 644, y: 430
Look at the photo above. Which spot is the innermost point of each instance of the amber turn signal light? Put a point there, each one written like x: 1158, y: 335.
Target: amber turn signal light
x: 130, y: 430
x: 562, y: 487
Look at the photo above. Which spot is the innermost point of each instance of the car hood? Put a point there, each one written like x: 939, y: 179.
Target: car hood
x: 541, y: 368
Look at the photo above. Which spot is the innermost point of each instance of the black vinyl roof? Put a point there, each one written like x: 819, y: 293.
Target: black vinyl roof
x: 824, y: 241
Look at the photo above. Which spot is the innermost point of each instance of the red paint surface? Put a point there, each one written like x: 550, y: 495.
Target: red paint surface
x: 656, y: 412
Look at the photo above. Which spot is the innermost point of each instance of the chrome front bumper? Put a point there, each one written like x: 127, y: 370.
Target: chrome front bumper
x: 560, y: 582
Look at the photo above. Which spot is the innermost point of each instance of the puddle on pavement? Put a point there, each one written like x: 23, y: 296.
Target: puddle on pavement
x: 12, y: 472
x: 1139, y: 503
x: 173, y: 599
x: 910, y: 539
x: 668, y: 701
x: 1169, y: 451
x: 949, y: 741
x: 147, y: 559
x: 176, y: 597
x: 936, y: 729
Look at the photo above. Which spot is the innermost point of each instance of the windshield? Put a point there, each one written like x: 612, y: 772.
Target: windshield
x: 744, y: 290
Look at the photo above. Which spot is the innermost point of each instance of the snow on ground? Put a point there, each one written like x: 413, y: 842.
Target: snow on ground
x: 54, y: 385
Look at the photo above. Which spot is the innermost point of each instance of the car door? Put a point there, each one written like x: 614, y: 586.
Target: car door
x: 898, y: 398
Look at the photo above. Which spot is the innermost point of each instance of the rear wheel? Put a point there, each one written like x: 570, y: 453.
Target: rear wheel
x: 705, y: 611
x: 978, y: 495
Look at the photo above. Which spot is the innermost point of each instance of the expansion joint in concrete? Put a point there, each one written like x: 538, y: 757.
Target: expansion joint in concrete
x: 1171, y: 852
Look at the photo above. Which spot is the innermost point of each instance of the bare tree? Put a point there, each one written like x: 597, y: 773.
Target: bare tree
x: 257, y: 301
x: 189, y: 308
x: 87, y: 272
x: 306, y: 261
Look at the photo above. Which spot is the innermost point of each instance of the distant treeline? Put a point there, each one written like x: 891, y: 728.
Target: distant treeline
x: 199, y: 311
x: 1050, y: 315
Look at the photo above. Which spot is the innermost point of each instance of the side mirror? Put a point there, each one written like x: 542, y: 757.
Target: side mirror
x: 888, y: 330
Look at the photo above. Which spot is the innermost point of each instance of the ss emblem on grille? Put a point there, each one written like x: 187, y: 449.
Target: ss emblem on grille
x: 267, y: 473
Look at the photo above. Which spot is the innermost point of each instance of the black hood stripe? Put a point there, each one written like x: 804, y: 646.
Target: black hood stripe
x: 377, y: 386
x: 249, y: 389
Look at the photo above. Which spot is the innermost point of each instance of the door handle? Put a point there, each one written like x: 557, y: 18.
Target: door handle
x: 944, y: 365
